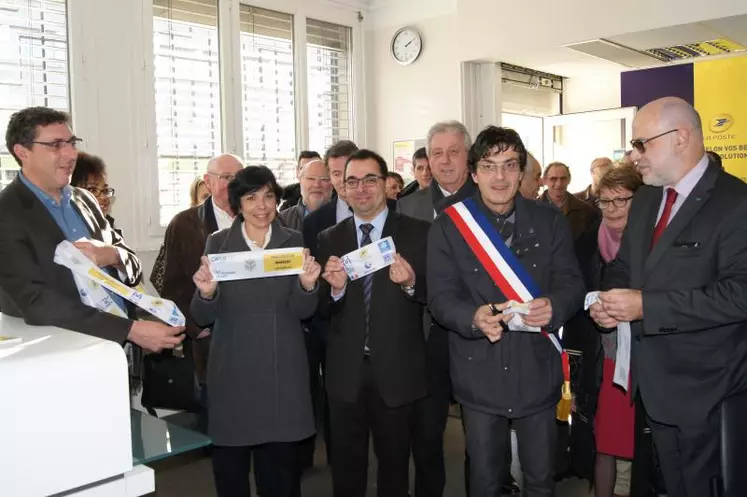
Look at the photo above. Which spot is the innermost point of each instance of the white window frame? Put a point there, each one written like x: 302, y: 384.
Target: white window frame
x: 68, y: 110
x: 230, y: 53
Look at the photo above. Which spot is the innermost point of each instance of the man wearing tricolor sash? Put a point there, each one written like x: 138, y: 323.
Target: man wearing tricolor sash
x: 503, y: 278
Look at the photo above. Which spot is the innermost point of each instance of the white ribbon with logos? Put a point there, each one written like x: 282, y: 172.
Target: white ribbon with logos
x: 91, y: 282
x: 622, y: 358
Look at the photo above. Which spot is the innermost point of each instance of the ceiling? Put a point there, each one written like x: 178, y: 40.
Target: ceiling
x: 568, y: 62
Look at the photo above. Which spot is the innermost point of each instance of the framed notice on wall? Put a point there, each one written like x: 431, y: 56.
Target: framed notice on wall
x: 402, y: 151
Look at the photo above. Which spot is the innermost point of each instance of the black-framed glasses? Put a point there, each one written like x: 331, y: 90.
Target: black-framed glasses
x: 368, y: 181
x: 101, y: 192
x: 640, y: 143
x: 227, y: 177
x: 510, y: 166
x: 60, y: 144
x: 618, y: 202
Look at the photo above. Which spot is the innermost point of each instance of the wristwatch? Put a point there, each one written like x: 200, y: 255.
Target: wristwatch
x: 409, y: 290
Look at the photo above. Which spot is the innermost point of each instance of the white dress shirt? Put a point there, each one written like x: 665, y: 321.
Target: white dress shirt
x: 250, y: 243
x: 222, y: 218
x: 375, y: 234
x: 343, y: 210
x: 683, y: 188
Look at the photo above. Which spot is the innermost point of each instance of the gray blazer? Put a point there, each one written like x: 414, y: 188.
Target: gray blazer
x: 418, y: 205
x: 292, y: 217
x: 257, y: 375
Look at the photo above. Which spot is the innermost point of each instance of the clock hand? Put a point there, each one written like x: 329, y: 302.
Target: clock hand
x: 408, y: 43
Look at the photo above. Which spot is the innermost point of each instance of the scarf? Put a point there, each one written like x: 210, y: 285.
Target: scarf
x: 609, y: 242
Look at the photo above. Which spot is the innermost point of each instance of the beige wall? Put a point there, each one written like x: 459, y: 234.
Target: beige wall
x: 594, y: 91
x: 404, y: 101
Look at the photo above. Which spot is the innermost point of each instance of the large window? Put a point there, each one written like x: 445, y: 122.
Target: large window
x: 269, y: 119
x: 187, y: 77
x: 329, y: 83
x: 33, y: 64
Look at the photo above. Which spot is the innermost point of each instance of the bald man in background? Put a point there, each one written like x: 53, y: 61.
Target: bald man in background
x: 599, y: 166
x: 184, y: 244
x: 532, y: 179
x: 680, y: 279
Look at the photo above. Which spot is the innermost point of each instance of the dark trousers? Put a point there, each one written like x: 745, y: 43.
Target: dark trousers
x: 276, y: 471
x: 689, y: 456
x: 315, y: 351
x: 429, y: 424
x: 507, y: 478
x: 351, y: 425
x: 487, y: 441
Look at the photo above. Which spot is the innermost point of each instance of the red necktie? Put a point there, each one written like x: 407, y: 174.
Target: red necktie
x: 664, y: 219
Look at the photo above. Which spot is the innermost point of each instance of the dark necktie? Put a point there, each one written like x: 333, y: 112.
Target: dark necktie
x: 665, y: 215
x: 367, y: 280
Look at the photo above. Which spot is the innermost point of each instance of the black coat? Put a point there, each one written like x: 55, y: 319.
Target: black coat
x: 396, y: 319
x: 689, y: 352
x: 33, y: 286
x: 521, y: 374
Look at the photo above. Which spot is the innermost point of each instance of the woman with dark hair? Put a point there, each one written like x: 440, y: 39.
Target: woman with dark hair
x: 258, y: 378
x: 90, y: 174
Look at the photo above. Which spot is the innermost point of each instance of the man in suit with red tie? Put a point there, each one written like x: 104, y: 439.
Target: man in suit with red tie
x: 680, y: 280
x: 375, y: 344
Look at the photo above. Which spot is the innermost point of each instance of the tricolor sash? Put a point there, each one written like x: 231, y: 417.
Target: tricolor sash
x: 505, y: 270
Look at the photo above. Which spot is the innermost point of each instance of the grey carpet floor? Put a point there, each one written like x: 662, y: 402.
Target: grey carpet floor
x: 190, y: 475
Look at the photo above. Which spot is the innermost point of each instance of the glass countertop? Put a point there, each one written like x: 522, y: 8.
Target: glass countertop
x: 154, y: 439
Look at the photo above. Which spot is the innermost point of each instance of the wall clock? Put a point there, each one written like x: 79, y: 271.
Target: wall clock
x: 406, y: 45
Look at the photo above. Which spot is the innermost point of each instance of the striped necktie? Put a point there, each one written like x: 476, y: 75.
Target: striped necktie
x: 367, y: 280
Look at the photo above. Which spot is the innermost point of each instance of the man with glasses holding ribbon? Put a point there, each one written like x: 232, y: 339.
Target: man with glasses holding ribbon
x: 38, y: 211
x: 679, y: 279
x: 375, y: 344
x: 502, y: 277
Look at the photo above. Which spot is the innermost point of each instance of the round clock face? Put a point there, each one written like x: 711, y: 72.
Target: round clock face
x: 406, y: 46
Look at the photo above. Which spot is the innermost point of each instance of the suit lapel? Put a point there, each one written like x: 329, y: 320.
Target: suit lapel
x: 43, y: 220
x: 692, y: 205
x: 425, y: 205
x: 87, y: 215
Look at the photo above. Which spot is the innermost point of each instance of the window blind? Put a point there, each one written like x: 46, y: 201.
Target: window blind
x: 329, y: 83
x: 269, y: 119
x: 187, y: 80
x: 33, y: 64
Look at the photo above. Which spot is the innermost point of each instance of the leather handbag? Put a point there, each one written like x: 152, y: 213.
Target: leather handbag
x: 169, y: 381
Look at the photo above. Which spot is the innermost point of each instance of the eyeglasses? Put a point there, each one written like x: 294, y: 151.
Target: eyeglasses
x: 223, y: 176
x: 618, y: 202
x: 368, y: 181
x: 510, y: 166
x: 60, y: 144
x: 640, y: 143
x: 99, y: 192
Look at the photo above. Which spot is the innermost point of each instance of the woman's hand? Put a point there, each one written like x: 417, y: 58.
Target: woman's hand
x: 311, y: 271
x: 204, y: 281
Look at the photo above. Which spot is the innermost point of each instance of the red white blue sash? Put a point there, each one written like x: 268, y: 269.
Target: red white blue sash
x: 499, y: 261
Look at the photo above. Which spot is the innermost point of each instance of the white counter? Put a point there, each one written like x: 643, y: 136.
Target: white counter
x: 65, y: 416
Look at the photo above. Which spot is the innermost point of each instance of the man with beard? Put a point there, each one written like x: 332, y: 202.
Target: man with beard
x: 316, y: 189
x: 679, y: 279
